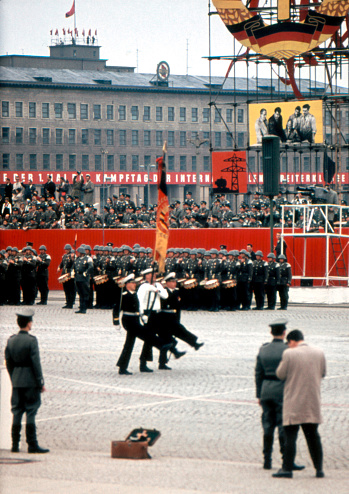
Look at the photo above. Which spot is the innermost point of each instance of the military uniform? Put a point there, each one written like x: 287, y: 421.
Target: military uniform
x: 3, y: 270
x: 273, y: 279
x: 13, y: 278
x: 83, y: 268
x: 269, y: 389
x: 285, y: 282
x: 213, y: 272
x: 24, y: 367
x: 260, y: 270
x: 67, y: 267
x: 29, y: 278
x: 44, y: 261
x: 130, y: 322
x: 244, y: 279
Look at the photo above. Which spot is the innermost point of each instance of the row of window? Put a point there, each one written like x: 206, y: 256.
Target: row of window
x: 95, y: 162
x: 94, y: 136
x: 161, y: 113
x: 59, y: 161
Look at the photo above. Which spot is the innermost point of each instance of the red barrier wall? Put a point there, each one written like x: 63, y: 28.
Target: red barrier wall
x: 233, y: 238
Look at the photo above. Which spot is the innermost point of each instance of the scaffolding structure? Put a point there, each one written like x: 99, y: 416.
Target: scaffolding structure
x: 328, y: 63
x: 318, y: 222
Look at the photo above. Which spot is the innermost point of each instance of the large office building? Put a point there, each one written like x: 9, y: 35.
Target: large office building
x: 71, y: 111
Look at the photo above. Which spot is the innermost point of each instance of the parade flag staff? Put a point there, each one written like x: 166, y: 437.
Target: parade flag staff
x: 162, y: 215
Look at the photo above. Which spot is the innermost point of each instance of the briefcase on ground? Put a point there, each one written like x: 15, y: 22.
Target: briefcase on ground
x: 136, y: 444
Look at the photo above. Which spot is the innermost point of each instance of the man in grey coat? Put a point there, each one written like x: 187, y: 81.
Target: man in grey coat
x: 269, y: 390
x: 23, y: 365
x: 302, y: 368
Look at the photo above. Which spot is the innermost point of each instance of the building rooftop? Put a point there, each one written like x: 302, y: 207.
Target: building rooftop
x: 129, y: 80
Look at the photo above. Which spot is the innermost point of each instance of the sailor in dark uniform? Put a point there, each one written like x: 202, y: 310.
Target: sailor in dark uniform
x: 269, y: 390
x: 171, y: 314
x: 24, y: 367
x: 130, y: 318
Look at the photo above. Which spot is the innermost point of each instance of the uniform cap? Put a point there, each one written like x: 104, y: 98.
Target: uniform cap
x: 147, y: 271
x: 25, y: 313
x: 271, y: 256
x: 42, y: 247
x: 130, y: 277
x: 278, y: 322
x: 170, y: 277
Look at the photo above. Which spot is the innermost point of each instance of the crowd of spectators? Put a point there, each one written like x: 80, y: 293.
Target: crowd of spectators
x: 71, y: 207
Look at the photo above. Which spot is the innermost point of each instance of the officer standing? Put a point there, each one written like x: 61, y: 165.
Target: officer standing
x: 285, y: 281
x: 269, y: 390
x: 83, y: 268
x: 24, y: 367
x: 3, y: 269
x: 44, y: 261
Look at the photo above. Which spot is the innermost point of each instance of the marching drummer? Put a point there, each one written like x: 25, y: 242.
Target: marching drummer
x: 213, y: 277
x: 66, y: 266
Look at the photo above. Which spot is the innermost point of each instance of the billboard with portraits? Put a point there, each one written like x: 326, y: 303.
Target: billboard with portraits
x: 294, y: 122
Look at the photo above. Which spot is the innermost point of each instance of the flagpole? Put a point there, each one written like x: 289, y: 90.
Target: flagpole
x: 75, y: 20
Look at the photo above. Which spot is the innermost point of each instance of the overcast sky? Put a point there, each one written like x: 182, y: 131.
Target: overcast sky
x: 158, y: 29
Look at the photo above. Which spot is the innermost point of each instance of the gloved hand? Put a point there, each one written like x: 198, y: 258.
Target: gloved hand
x: 143, y: 320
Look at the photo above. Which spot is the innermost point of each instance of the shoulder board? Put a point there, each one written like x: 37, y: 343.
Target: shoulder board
x: 267, y: 343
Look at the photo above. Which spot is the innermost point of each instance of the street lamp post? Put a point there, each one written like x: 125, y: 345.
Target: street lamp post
x: 197, y: 142
x: 146, y: 187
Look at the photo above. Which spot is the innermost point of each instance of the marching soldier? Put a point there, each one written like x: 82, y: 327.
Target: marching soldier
x: 285, y: 281
x: 171, y: 314
x: 66, y: 266
x: 24, y: 367
x: 260, y: 272
x: 83, y: 268
x: 273, y: 279
x: 129, y: 315
x: 229, y: 272
x: 43, y: 262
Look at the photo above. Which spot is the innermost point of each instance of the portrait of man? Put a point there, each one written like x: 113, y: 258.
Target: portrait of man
x: 261, y: 125
x: 275, y: 126
x: 307, y: 125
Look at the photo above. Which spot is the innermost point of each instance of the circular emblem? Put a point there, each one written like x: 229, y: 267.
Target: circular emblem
x: 163, y: 71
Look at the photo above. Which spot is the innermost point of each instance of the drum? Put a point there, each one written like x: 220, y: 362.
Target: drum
x: 102, y: 278
x: 188, y: 284
x: 211, y: 284
x: 64, y: 278
x: 228, y: 283
x: 202, y: 283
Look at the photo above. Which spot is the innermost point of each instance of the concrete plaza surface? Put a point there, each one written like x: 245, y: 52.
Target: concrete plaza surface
x: 205, y: 408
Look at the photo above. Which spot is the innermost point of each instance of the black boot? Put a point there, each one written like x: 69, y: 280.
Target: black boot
x: 143, y: 367
x: 16, y: 436
x: 33, y: 446
x: 267, y: 451
x: 177, y: 353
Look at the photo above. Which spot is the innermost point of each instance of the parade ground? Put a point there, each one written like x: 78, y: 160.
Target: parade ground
x: 205, y: 407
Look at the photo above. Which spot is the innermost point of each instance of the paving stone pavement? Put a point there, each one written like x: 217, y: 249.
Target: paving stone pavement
x: 205, y: 407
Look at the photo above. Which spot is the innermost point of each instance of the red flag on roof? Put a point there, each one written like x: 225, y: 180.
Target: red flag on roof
x: 56, y: 32
x: 63, y: 31
x: 51, y: 32
x: 71, y: 11
x: 96, y: 32
x: 83, y: 32
x: 89, y: 33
